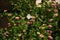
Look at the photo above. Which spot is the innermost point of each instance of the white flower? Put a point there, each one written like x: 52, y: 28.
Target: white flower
x: 38, y: 1
x: 28, y: 16
x: 58, y: 1
x: 55, y: 15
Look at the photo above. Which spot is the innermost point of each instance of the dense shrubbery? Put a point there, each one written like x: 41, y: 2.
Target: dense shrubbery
x: 29, y: 22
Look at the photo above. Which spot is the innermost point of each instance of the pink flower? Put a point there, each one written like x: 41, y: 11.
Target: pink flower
x: 54, y: 4
x: 29, y: 23
x: 5, y: 34
x: 50, y: 37
x: 32, y: 20
x: 50, y: 26
x: 51, y: 20
x: 49, y: 31
x: 49, y: 10
x: 9, y: 24
x: 55, y: 10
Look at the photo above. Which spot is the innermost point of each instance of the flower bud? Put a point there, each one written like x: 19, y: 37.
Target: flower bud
x: 5, y: 10
x: 29, y: 23
x: 32, y: 20
x: 15, y: 4
x: 9, y: 14
x: 32, y: 17
x: 55, y: 10
x: 50, y: 26
x: 50, y: 37
x: 51, y: 20
x: 55, y: 15
x: 54, y: 4
x: 38, y: 33
x: 24, y: 30
x: 5, y: 33
x: 49, y: 10
x: 9, y: 24
x: 41, y: 36
x: 20, y: 35
x: 17, y: 18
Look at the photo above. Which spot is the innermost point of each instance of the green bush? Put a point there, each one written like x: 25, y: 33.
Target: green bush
x: 29, y: 22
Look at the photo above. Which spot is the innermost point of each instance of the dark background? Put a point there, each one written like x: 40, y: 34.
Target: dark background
x: 4, y: 5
